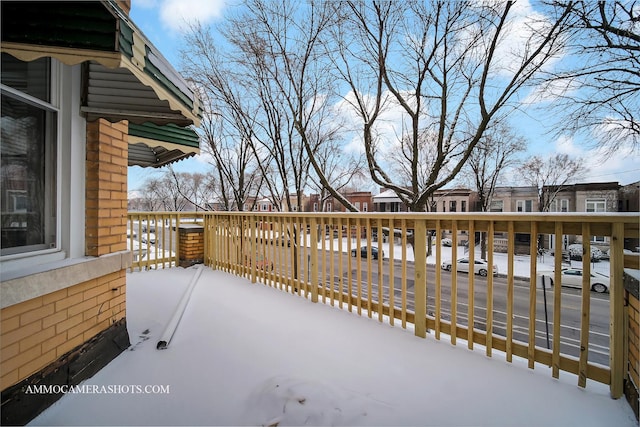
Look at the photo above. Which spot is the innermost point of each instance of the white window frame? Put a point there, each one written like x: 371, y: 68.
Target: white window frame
x: 70, y: 175
x: 521, y: 205
x: 596, y: 203
x: 365, y: 207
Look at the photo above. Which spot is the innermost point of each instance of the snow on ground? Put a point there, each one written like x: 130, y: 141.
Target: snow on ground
x: 521, y: 262
x: 248, y: 354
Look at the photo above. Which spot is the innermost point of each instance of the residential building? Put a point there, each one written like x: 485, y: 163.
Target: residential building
x: 585, y: 197
x: 361, y: 200
x: 629, y: 201
x: 84, y: 96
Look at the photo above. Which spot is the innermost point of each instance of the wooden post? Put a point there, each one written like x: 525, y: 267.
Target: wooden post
x: 420, y: 290
x: 585, y: 307
x: 617, y: 319
x: 314, y: 260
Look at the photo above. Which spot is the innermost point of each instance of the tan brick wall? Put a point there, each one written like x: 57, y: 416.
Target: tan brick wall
x: 634, y: 339
x: 37, y: 332
x: 191, y: 246
x: 106, y: 187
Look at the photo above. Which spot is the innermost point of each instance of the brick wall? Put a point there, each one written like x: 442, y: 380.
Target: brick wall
x: 37, y: 332
x: 106, y: 187
x: 191, y: 245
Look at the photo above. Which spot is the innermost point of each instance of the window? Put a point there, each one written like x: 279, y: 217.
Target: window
x: 315, y: 206
x: 329, y: 207
x: 452, y: 206
x: 28, y: 148
x: 463, y: 206
x: 357, y: 205
x: 524, y: 206
x: 496, y: 206
x: 596, y: 205
x: 365, y: 207
x: 564, y: 205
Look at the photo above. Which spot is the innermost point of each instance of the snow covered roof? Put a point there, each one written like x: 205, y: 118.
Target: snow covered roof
x: 387, y: 196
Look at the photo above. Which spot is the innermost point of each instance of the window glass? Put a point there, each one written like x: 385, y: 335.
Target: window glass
x: 28, y: 158
x: 496, y: 206
x: 596, y: 205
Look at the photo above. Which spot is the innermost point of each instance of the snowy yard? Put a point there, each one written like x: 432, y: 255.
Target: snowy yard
x: 247, y: 354
x: 521, y: 262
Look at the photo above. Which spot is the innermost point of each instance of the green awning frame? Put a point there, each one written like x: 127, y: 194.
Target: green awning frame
x: 125, y: 76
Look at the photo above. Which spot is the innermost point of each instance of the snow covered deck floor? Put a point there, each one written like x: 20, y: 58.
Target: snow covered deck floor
x: 247, y: 354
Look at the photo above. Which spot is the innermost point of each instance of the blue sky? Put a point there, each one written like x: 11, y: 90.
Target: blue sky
x: 163, y: 22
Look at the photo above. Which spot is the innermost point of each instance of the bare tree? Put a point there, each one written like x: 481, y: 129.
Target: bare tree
x: 599, y: 88
x: 444, y: 66
x: 551, y: 176
x: 339, y: 169
x: 161, y: 192
x: 196, y: 189
x: 495, y: 152
x: 228, y: 125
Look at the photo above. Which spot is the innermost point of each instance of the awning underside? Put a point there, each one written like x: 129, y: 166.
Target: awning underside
x: 144, y: 155
x: 154, y: 146
x: 125, y: 76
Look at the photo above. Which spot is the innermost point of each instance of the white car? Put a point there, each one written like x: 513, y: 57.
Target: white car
x: 572, y: 278
x: 576, y: 250
x: 481, y: 267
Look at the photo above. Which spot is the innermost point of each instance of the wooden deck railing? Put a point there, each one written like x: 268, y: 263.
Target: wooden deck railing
x: 311, y: 255
x: 153, y: 237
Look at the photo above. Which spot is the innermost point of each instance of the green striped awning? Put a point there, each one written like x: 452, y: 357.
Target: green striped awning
x: 155, y: 146
x: 128, y: 78
x: 125, y: 76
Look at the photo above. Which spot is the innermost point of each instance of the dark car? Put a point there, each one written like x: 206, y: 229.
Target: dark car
x: 363, y: 252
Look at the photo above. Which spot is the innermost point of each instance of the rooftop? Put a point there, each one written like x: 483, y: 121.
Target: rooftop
x: 248, y: 354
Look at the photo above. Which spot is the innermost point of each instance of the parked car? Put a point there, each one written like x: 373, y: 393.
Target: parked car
x: 576, y: 250
x: 151, y: 227
x: 363, y: 252
x: 481, y: 267
x: 572, y: 278
x: 446, y: 242
x: 148, y: 238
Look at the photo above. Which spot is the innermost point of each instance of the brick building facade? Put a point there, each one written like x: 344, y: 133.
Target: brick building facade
x: 65, y: 151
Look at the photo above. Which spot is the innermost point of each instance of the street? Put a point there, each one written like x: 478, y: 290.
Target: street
x: 570, y: 312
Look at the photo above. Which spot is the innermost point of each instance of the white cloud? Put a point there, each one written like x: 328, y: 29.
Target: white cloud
x: 176, y: 14
x: 515, y: 44
x: 566, y: 145
x: 601, y: 166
